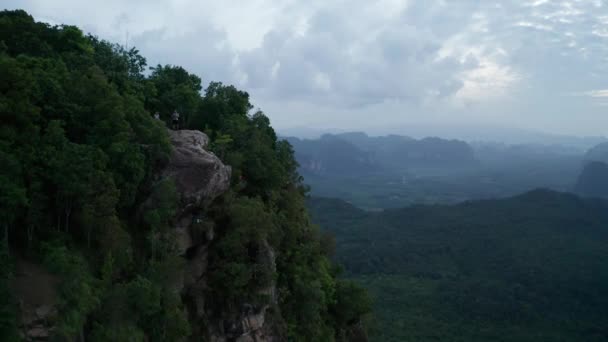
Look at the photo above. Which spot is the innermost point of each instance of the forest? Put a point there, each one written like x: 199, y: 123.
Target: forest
x: 526, y: 268
x: 81, y: 151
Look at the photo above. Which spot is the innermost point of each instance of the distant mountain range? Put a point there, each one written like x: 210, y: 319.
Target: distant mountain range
x: 469, y: 133
x: 356, y: 153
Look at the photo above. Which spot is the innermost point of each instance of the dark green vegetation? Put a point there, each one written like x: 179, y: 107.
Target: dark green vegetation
x: 527, y: 268
x: 79, y: 150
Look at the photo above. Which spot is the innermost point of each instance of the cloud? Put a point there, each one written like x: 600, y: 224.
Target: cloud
x: 390, y: 61
x: 601, y: 93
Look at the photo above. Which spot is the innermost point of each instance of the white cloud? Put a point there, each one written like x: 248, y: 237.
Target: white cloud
x: 601, y: 93
x: 534, y: 25
x: 390, y: 60
x: 489, y: 81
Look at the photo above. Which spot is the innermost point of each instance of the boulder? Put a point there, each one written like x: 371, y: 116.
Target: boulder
x: 199, y: 175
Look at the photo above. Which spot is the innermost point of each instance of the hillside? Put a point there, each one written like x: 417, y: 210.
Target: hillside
x: 593, y: 180
x: 598, y: 153
x: 526, y: 268
x: 116, y: 228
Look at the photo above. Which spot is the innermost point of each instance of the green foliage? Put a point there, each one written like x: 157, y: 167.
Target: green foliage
x: 138, y: 306
x: 80, y: 153
x: 352, y: 302
x: 79, y: 289
x: 163, y: 205
x: 121, y: 333
x: 239, y: 265
x: 528, y: 268
x: 173, y: 88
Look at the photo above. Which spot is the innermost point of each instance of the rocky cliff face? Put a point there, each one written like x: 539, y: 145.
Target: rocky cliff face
x: 36, y: 289
x: 200, y: 177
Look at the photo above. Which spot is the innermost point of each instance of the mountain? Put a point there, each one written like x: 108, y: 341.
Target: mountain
x: 331, y: 156
x: 469, y: 132
x: 116, y: 228
x: 597, y: 153
x: 395, y: 151
x: 395, y: 171
x: 357, y: 154
x: 526, y: 268
x: 593, y: 181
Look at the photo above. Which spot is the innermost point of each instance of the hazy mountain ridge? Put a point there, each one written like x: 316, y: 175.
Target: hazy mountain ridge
x: 395, y: 171
x: 356, y: 154
x: 467, y: 132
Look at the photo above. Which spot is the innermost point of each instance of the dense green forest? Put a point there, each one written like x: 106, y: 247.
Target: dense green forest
x: 79, y: 151
x: 526, y: 268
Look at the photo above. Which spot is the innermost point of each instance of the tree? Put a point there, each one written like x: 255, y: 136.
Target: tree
x: 81, y: 152
x: 174, y: 89
x: 12, y: 194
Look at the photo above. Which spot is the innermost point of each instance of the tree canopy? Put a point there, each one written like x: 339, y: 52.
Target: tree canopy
x: 80, y: 147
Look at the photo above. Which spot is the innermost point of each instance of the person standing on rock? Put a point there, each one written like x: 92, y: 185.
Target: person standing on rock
x: 175, y: 118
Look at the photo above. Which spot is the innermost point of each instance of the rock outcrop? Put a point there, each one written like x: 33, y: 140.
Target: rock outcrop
x: 35, y: 288
x: 200, y: 177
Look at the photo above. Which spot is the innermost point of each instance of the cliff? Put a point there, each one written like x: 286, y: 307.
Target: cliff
x: 199, y: 177
x: 146, y: 235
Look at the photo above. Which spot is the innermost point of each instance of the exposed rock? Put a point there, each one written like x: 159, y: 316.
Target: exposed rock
x: 35, y: 289
x: 43, y: 312
x: 38, y: 333
x: 200, y: 177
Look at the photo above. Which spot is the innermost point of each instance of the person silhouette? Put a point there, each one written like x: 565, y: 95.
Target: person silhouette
x: 175, y: 119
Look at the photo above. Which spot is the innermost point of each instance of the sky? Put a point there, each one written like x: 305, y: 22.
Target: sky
x: 376, y: 65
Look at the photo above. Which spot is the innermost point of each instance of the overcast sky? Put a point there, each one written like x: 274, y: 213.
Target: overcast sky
x: 363, y: 64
